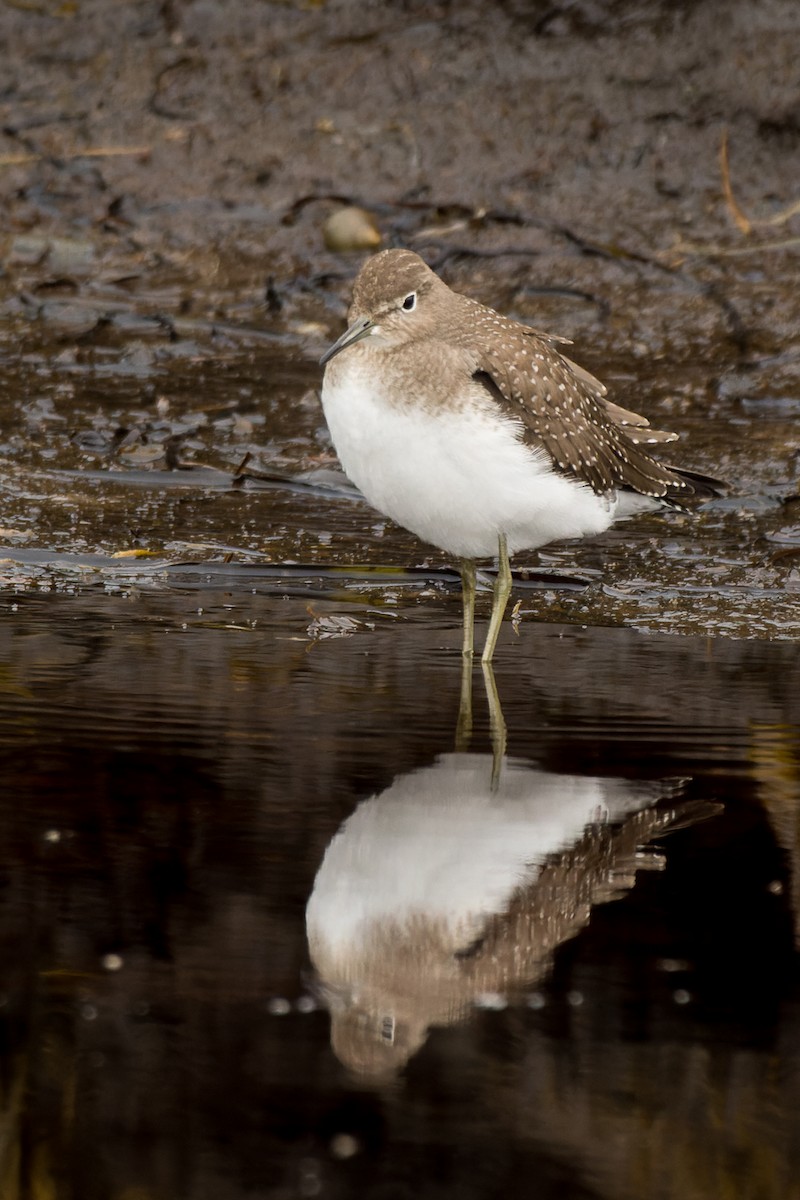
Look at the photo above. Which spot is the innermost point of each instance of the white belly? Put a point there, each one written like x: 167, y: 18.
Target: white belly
x: 456, y: 478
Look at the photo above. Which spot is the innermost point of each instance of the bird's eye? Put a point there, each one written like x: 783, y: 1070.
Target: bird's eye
x: 410, y: 302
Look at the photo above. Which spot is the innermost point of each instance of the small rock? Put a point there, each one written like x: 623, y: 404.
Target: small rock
x: 351, y: 229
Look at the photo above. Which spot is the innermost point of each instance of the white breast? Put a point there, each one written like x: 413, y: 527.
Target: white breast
x: 456, y: 477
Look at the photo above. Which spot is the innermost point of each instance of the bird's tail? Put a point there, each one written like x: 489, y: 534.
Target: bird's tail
x: 696, y: 486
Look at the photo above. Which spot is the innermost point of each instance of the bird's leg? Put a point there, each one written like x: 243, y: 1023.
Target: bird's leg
x: 468, y: 595
x: 502, y: 590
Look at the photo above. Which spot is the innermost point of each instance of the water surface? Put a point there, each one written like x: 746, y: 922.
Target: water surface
x: 176, y: 765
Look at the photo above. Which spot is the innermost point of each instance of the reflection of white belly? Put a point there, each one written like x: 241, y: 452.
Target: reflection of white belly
x: 439, y: 845
x: 456, y: 478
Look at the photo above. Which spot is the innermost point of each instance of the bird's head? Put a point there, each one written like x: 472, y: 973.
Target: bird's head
x: 396, y: 299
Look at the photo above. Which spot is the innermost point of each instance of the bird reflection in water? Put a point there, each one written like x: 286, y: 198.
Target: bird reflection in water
x: 459, y: 881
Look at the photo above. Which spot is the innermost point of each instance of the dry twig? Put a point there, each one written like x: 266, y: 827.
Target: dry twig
x: 741, y: 220
x: 15, y: 160
x: 745, y: 223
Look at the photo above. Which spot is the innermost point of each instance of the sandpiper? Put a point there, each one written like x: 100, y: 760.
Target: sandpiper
x: 477, y: 433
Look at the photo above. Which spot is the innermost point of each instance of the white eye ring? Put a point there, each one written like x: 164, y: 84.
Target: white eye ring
x: 410, y: 302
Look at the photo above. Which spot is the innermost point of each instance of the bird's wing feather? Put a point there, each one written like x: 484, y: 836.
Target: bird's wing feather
x: 563, y: 409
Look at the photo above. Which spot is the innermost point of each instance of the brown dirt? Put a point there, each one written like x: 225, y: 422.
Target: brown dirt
x: 165, y: 173
x: 574, y: 126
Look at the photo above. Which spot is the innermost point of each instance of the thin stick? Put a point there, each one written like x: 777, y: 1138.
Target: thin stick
x: 15, y: 160
x: 711, y: 251
x: 739, y: 217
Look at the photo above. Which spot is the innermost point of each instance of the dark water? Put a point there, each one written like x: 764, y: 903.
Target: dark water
x: 175, y: 765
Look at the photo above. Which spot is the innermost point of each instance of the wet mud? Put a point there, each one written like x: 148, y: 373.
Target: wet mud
x: 166, y: 287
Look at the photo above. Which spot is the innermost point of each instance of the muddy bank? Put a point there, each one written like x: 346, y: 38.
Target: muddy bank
x: 165, y: 173
x: 208, y: 138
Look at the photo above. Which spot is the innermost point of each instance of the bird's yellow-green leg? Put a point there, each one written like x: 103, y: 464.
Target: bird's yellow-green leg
x: 468, y: 595
x: 502, y: 590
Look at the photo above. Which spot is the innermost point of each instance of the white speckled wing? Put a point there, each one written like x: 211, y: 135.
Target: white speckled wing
x: 564, y: 408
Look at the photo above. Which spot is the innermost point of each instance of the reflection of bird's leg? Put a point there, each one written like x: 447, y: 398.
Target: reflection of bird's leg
x: 502, y: 590
x: 464, y: 725
x: 468, y: 595
x: 497, y: 723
